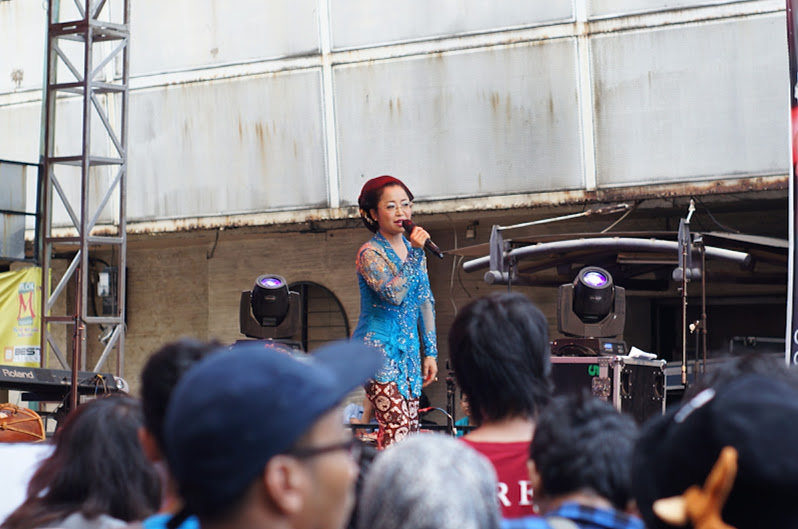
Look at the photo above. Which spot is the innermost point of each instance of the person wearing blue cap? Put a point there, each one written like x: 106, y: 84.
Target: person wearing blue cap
x: 254, y: 438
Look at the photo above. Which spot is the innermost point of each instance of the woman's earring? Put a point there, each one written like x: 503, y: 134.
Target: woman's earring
x: 367, y: 216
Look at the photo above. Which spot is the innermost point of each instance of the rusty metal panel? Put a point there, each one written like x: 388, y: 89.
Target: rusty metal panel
x: 184, y: 34
x: 356, y: 23
x: 12, y: 236
x: 20, y: 130
x: 485, y: 121
x: 223, y: 147
x: 12, y: 177
x: 612, y: 8
x: 691, y: 102
x: 23, y: 33
x: 12, y: 199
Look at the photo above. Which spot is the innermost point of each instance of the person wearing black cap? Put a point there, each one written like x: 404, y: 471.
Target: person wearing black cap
x: 755, y: 415
x: 253, y: 436
x: 397, y: 310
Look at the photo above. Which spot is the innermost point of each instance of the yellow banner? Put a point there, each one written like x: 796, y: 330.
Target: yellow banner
x: 20, y: 317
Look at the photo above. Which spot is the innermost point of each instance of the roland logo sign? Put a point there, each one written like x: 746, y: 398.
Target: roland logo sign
x: 16, y: 373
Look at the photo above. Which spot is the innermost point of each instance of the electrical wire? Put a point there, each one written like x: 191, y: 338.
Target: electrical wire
x: 611, y: 226
x: 432, y: 408
x: 454, y: 268
x: 722, y: 226
x: 460, y: 276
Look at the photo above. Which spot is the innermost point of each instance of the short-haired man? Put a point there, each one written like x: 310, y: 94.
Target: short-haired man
x: 254, y: 436
x: 159, y: 377
x: 580, y: 467
x: 499, y: 349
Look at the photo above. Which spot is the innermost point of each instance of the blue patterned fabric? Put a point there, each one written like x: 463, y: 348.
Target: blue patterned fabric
x: 159, y: 521
x: 397, y: 311
x: 584, y: 517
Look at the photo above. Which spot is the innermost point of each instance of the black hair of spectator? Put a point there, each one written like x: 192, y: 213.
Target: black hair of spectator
x: 584, y: 444
x: 97, y: 467
x: 367, y: 454
x: 160, y: 376
x: 500, y: 352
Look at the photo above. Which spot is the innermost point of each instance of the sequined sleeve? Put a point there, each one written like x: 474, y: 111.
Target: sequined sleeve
x: 427, y: 318
x: 428, y: 334
x: 382, y: 277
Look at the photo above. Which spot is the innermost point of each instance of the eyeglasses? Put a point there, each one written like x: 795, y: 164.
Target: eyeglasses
x: 390, y: 207
x: 353, y: 446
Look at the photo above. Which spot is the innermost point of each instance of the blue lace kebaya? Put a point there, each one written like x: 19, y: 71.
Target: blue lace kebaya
x: 397, y: 311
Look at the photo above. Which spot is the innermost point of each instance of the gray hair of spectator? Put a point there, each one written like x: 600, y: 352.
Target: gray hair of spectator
x: 430, y: 481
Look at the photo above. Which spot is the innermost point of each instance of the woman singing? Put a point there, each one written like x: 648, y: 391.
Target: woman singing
x: 397, y: 310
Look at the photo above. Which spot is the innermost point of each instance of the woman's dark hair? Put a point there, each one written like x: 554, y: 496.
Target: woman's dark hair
x: 500, y: 352
x: 583, y: 444
x: 160, y: 376
x: 370, y: 197
x: 97, y: 467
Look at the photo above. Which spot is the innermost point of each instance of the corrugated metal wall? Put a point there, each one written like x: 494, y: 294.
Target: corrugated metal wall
x: 14, y: 180
x: 362, y: 24
x: 262, y: 106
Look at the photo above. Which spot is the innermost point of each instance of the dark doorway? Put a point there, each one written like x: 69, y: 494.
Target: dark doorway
x: 323, y: 317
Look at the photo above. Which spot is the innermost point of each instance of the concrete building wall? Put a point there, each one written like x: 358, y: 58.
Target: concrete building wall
x: 239, y: 115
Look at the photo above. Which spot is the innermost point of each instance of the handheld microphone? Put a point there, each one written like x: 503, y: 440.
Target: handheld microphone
x: 431, y: 247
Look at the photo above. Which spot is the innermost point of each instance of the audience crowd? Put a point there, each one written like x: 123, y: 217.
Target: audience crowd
x: 251, y: 436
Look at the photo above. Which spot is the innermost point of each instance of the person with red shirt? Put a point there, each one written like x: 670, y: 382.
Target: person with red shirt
x: 500, y: 353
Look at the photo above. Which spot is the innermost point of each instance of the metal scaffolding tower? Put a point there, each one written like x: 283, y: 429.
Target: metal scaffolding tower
x: 84, y: 178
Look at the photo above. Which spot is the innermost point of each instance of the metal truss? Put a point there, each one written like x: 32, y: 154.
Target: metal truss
x: 84, y: 176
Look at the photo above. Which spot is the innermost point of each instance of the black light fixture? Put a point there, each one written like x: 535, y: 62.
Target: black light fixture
x: 269, y: 299
x: 592, y: 306
x: 594, y: 294
x: 270, y: 310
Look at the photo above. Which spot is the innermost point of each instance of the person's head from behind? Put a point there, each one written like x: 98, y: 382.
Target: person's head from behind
x: 158, y: 379
x: 755, y: 414
x: 499, y: 349
x: 581, y: 450
x: 429, y: 481
x: 97, y: 467
x: 382, y: 201
x: 253, y: 435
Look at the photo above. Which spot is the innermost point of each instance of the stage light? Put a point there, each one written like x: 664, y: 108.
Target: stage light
x: 594, y: 294
x: 592, y: 306
x: 269, y: 311
x: 270, y: 300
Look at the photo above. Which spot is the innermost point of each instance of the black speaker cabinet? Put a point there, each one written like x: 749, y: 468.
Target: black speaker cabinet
x: 632, y: 385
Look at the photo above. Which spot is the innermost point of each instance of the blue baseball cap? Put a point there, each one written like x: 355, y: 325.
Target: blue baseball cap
x: 239, y: 407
